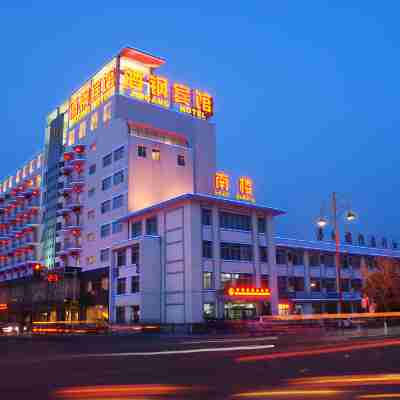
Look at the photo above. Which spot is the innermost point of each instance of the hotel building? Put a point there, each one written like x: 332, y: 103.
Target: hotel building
x: 125, y: 216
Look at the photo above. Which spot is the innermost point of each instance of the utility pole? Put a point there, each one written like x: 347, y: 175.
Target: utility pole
x: 337, y: 252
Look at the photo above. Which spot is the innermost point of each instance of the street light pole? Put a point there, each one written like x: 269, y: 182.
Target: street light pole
x: 337, y: 252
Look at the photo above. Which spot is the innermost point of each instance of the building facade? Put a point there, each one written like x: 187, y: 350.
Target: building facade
x: 134, y: 223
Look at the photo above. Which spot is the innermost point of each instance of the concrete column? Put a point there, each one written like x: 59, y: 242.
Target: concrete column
x: 306, y: 259
x: 273, y: 271
x: 256, y: 251
x: 219, y: 307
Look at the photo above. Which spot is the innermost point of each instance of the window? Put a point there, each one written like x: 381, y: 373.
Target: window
x: 151, y: 226
x: 90, y: 260
x: 90, y: 236
x: 261, y: 224
x: 117, y: 227
x: 181, y: 160
x: 121, y: 286
x: 118, y: 201
x: 314, y: 259
x: 90, y: 214
x: 264, y: 281
x: 105, y: 230
x: 330, y: 284
x: 136, y: 229
x: 206, y: 217
x: 282, y: 284
x: 107, y: 112
x: 141, y: 151
x: 208, y: 310
x: 135, y: 254
x: 92, y: 169
x: 105, y: 206
x: 207, y: 280
x: 207, y: 249
x: 263, y: 254
x: 121, y: 257
x: 82, y: 130
x: 235, y: 221
x: 119, y: 153
x: 120, y: 314
x: 135, y: 284
x: 104, y: 255
x: 94, y: 121
x: 106, y: 183
x: 155, y: 155
x: 235, y: 251
x: 118, y: 177
x: 297, y: 257
x: 71, y: 139
x: 281, y: 256
x: 315, y: 285
x: 107, y: 160
x: 104, y: 283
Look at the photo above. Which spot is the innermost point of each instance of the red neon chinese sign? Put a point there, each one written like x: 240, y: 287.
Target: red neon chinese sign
x: 221, y: 184
x: 245, y: 189
x: 242, y: 291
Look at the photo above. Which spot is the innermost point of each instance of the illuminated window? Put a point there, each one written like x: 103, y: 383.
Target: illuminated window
x: 25, y: 171
x: 38, y: 181
x: 208, y: 310
x: 181, y: 160
x: 141, y: 151
x: 18, y: 176
x: 94, y: 121
x: 90, y: 236
x: 207, y: 280
x: 82, y: 130
x: 107, y: 112
x: 32, y: 165
x: 155, y: 155
x: 90, y: 260
x: 71, y: 137
x: 104, y: 282
x: 39, y: 160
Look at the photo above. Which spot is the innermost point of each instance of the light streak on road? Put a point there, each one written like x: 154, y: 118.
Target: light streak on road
x: 174, y: 352
x: 320, y: 351
x: 290, y: 393
x: 258, y: 339
x: 349, y: 380
x: 121, y: 391
x: 380, y: 396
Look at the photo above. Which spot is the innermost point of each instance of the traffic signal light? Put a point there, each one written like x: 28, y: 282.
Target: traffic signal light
x: 37, y: 271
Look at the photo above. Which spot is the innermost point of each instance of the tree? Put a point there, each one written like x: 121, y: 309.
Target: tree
x: 382, y: 285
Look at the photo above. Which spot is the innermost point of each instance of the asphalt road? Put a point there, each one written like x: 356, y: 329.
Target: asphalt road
x: 152, y: 366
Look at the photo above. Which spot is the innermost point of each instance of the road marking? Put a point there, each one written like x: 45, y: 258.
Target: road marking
x: 233, y: 340
x: 169, y: 352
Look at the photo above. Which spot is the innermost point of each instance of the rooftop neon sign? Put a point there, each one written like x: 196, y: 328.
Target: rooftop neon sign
x: 131, y: 74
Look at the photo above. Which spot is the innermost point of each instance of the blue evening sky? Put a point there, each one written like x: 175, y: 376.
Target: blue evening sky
x: 307, y: 93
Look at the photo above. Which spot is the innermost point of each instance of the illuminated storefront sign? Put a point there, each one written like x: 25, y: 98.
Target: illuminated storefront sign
x: 3, y: 307
x: 245, y: 189
x: 221, y: 184
x: 248, y: 292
